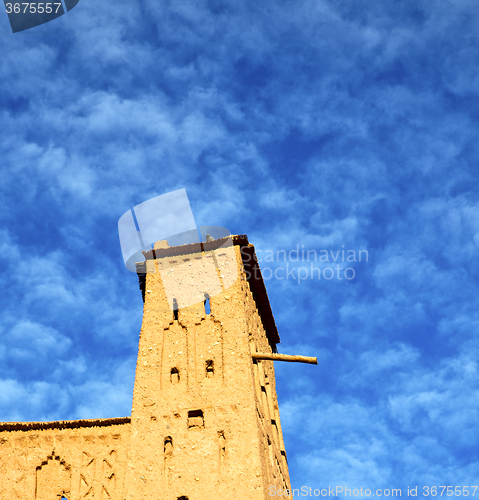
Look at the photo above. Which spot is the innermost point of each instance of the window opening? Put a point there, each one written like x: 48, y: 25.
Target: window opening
x: 210, y: 369
x: 174, y: 375
x: 168, y: 446
x: 195, y: 419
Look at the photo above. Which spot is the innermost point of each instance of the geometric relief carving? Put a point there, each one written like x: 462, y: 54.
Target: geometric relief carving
x: 3, y: 486
x: 19, y: 485
x: 104, y: 493
x: 97, y: 476
x: 3, y: 474
x: 53, y: 479
x: 87, y: 475
x: 12, y: 476
x: 15, y: 470
x: 108, y: 476
x: 17, y: 477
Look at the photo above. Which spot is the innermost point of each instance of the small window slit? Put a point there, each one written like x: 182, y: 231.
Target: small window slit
x: 168, y: 447
x: 210, y: 368
x: 174, y: 375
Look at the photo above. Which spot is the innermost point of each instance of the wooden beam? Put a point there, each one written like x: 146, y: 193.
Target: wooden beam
x: 286, y: 357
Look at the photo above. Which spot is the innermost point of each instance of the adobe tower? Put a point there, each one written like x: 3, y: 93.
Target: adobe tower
x: 204, y: 422
x: 204, y: 408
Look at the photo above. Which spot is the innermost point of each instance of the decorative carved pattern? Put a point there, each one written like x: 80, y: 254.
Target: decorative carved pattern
x: 3, y: 471
x: 53, y: 479
x: 18, y: 480
x: 12, y: 476
x: 109, y: 476
x: 87, y: 475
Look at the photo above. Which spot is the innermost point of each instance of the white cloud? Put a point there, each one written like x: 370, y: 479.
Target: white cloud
x: 29, y: 341
x: 311, y: 123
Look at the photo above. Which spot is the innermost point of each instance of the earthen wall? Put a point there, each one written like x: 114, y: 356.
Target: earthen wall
x: 41, y: 463
x: 205, y: 420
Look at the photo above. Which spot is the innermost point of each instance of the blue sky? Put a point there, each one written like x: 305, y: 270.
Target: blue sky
x: 314, y: 123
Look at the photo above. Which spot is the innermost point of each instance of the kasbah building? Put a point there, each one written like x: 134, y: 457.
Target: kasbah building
x: 204, y: 422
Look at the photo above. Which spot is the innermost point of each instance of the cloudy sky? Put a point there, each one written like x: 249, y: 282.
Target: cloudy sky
x: 318, y: 125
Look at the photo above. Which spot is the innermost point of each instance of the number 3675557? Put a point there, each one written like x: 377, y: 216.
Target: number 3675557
x: 32, y: 8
